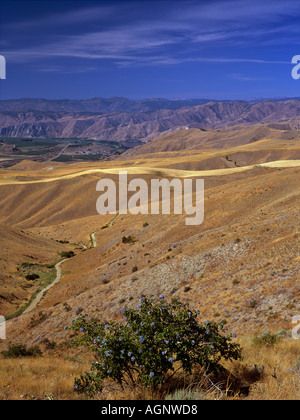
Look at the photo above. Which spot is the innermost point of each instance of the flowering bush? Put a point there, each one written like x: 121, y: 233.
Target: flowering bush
x: 150, y: 345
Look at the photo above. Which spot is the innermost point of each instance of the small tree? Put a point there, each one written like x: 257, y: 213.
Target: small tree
x: 151, y: 345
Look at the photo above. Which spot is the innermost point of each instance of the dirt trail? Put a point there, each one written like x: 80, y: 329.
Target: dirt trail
x: 93, y: 240
x: 39, y: 297
x: 92, y: 235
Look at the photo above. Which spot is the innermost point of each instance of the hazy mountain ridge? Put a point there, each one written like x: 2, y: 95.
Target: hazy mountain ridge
x: 97, y: 104
x: 136, y: 125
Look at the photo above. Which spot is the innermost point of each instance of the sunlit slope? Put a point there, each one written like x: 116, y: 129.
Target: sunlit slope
x: 241, y: 264
x: 194, y: 139
x: 71, y: 172
x: 20, y: 248
x: 242, y: 261
x: 183, y: 153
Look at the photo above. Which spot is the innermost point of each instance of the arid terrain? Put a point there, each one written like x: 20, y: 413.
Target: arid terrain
x: 120, y: 119
x: 240, y: 266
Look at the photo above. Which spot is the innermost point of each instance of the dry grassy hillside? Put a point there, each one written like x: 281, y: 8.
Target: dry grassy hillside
x: 196, y: 149
x: 246, y: 250
x: 240, y: 266
x: 23, y: 253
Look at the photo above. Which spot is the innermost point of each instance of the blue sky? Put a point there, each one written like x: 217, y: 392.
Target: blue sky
x: 222, y: 49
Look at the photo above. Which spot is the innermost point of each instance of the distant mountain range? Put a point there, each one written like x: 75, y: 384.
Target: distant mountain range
x: 98, y: 105
x: 125, y: 120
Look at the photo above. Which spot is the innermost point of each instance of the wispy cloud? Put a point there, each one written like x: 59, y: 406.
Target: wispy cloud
x: 173, y: 33
x: 245, y: 78
x: 63, y: 69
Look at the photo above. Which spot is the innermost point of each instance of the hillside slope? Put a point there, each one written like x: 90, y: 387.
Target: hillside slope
x: 241, y: 264
x: 144, y: 125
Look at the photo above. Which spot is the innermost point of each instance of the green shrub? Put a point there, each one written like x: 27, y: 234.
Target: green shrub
x: 32, y: 277
x: 67, y: 254
x: 128, y: 239
x: 16, y: 351
x: 49, y: 345
x: 150, y: 345
x: 266, y: 339
x: 253, y: 303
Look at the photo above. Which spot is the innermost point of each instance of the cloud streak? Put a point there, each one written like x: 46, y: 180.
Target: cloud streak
x: 130, y: 34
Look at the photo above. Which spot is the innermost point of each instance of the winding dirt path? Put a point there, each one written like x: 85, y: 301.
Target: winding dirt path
x: 110, y: 223
x: 40, y: 295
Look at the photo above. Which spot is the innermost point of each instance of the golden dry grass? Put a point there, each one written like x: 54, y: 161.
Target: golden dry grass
x: 146, y: 170
x: 245, y: 252
x: 51, y: 377
x: 38, y: 378
x: 282, y: 370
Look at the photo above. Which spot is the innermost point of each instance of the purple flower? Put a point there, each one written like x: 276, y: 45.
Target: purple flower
x: 81, y: 329
x: 141, y: 339
x: 133, y: 359
x: 152, y: 324
x: 151, y: 374
x: 233, y: 335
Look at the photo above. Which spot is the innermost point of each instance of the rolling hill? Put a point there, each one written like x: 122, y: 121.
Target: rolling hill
x: 246, y: 248
x: 240, y: 266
